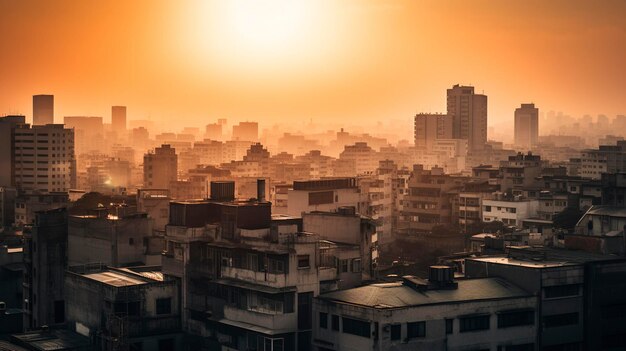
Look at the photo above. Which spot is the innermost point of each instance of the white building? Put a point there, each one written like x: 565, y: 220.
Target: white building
x: 436, y: 314
x: 324, y: 195
x: 510, y: 211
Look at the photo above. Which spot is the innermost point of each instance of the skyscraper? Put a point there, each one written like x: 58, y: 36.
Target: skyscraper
x: 469, y: 116
x: 43, y: 109
x: 431, y: 126
x: 526, y: 126
x: 118, y: 119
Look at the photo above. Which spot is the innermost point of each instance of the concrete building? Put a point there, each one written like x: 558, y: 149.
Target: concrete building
x: 471, y: 201
x: 519, y: 172
x: 27, y: 205
x: 365, y: 159
x: 614, y: 189
x: 45, y: 261
x: 428, y: 202
x: 347, y: 227
x: 7, y: 148
x: 43, y: 158
x: 160, y: 167
x: 434, y: 314
x: 129, y: 308
x: 600, y: 230
x: 43, y: 109
x: 324, y: 195
x: 526, y: 126
x: 117, y: 240
x: 118, y: 120
x: 156, y: 204
x: 469, y: 115
x: 579, y: 294
x: 605, y: 159
x: 430, y: 127
x: 510, y: 210
x: 7, y: 206
x: 246, y: 131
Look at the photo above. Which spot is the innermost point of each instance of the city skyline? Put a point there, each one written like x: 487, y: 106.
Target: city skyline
x: 273, y: 62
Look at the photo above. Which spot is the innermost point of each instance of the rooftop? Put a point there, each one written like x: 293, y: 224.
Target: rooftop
x: 397, y: 295
x: 612, y: 211
x: 543, y: 257
x: 53, y: 340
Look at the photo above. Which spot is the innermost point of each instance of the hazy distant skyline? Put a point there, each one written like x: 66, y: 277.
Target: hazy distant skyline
x: 279, y: 60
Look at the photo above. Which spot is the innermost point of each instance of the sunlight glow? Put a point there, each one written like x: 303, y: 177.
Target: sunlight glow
x: 267, y: 24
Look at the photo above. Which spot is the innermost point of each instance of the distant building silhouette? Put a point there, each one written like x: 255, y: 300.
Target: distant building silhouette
x: 118, y: 119
x: 248, y: 131
x: 43, y: 109
x: 526, y: 126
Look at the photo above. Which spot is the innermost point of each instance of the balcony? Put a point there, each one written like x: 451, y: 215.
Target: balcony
x: 144, y: 326
x: 262, y: 278
x: 284, y: 323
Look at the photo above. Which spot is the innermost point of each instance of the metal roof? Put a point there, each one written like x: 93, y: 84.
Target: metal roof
x: 398, y: 295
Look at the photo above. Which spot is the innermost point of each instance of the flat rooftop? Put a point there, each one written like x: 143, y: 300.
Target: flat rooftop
x: 53, y: 340
x: 543, y: 257
x: 113, y: 278
x: 397, y: 295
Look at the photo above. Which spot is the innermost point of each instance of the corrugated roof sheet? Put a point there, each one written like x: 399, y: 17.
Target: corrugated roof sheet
x: 398, y: 295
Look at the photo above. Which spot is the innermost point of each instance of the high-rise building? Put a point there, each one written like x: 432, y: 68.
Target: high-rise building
x: 469, y: 116
x: 43, y: 109
x: 118, y: 119
x: 526, y: 126
x: 431, y: 126
x: 248, y: 131
x: 160, y: 167
x: 43, y: 158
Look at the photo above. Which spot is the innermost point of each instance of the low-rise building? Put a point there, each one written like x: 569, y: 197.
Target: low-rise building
x: 510, y: 210
x: 434, y: 314
x: 128, y: 308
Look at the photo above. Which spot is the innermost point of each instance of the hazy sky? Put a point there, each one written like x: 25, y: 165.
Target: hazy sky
x: 280, y: 60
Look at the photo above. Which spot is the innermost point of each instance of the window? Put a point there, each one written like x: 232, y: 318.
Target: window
x: 487, y: 208
x: 323, y: 320
x: 356, y: 265
x: 516, y: 318
x: 335, y: 322
x: 396, y: 331
x: 449, y: 326
x: 303, y: 261
x: 164, y: 305
x: 343, y: 266
x: 356, y: 327
x: 473, y: 323
x: 560, y: 320
x: 131, y: 241
x: 561, y: 291
x: 416, y: 330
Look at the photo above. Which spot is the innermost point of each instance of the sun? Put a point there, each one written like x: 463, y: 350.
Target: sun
x: 266, y: 24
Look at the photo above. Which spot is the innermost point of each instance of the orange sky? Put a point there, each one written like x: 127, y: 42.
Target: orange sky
x: 270, y: 60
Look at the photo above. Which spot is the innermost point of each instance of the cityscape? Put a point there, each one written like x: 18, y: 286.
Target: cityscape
x: 275, y: 175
